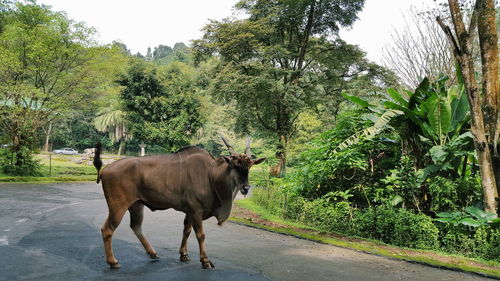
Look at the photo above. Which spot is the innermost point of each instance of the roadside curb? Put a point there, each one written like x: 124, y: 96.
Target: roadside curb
x: 277, y: 231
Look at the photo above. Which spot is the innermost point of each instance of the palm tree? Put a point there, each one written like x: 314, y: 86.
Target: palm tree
x: 112, y: 120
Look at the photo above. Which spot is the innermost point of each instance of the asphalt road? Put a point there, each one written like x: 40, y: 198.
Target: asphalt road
x: 51, y: 232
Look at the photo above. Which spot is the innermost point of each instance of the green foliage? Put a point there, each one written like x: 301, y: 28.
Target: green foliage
x: 483, y: 241
x: 160, y: 107
x: 397, y: 226
x: 279, y: 62
x: 50, y: 67
x: 20, y: 163
x: 359, y: 166
x: 432, y: 115
x: 77, y: 131
x: 450, y: 195
x: 391, y: 225
x: 487, y: 240
x: 402, y: 182
x: 471, y: 217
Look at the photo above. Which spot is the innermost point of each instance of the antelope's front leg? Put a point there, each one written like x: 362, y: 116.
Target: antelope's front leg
x: 185, y: 235
x: 200, y: 235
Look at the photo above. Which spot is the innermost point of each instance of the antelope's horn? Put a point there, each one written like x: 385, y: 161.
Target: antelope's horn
x: 229, y: 146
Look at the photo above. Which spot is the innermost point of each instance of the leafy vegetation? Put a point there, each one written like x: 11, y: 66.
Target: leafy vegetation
x: 362, y: 178
x: 365, y: 155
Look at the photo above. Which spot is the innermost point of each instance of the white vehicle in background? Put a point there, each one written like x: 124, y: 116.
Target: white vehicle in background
x: 66, y: 151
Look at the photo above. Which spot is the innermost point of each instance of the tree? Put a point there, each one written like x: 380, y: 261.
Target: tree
x: 485, y: 100
x: 160, y: 107
x: 419, y: 50
x: 44, y: 69
x: 276, y: 63
x: 113, y: 121
x: 107, y: 63
x: 161, y: 51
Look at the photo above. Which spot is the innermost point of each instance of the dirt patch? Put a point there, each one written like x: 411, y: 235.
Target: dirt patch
x: 425, y: 257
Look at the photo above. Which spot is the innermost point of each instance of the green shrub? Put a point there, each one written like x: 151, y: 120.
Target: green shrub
x: 403, y: 181
x: 444, y: 194
x: 450, y: 195
x: 487, y: 239
x: 481, y: 242
x: 325, y: 168
x: 20, y: 163
x: 327, y: 216
x: 396, y: 226
x: 399, y: 227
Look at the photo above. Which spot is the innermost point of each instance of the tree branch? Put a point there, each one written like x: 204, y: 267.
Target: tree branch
x: 451, y: 38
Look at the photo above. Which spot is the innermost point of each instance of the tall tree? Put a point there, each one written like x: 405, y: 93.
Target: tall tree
x: 161, y: 51
x: 113, y: 121
x: 161, y: 107
x: 484, y: 100
x: 44, y: 69
x: 277, y: 62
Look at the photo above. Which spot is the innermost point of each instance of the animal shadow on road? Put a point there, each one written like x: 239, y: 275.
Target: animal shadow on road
x: 69, y: 250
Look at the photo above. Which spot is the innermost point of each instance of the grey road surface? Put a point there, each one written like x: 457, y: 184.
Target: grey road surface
x: 51, y: 232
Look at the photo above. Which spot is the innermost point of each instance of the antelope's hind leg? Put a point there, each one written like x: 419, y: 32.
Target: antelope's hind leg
x: 136, y: 216
x: 110, y: 224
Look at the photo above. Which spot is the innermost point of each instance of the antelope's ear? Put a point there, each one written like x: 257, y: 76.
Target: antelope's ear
x: 258, y: 161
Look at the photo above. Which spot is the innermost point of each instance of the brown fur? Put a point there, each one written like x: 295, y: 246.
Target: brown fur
x: 191, y: 181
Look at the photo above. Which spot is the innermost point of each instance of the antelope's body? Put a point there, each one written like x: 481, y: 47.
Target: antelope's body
x: 190, y: 181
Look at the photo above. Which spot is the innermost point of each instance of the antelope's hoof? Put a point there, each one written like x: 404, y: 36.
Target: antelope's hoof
x: 207, y: 265
x: 154, y: 256
x: 114, y: 265
x: 185, y: 258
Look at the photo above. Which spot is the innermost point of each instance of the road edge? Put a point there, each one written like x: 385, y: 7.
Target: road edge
x: 374, y: 250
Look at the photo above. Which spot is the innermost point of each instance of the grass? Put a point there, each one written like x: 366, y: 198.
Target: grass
x: 56, y: 168
x: 263, y: 219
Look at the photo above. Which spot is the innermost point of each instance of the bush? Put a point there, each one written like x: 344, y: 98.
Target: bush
x: 487, y: 239
x: 399, y: 227
x: 451, y: 195
x: 482, y: 242
x: 403, y: 181
x: 327, y: 216
x: 396, y: 226
x: 324, y: 168
x: 20, y: 163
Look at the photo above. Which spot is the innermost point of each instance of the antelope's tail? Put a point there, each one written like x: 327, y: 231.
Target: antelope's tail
x: 97, y: 160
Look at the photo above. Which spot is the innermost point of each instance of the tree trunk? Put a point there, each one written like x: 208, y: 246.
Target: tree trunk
x: 488, y: 45
x: 496, y: 171
x: 484, y: 123
x: 280, y: 169
x: 47, y: 137
x: 121, y: 148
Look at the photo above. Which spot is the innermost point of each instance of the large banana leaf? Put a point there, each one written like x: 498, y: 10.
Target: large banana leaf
x: 378, y: 127
x: 459, y: 108
x: 421, y: 93
x: 439, y: 116
x: 357, y: 100
x: 397, y: 97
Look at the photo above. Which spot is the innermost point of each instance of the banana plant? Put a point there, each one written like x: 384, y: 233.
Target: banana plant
x: 433, y: 112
